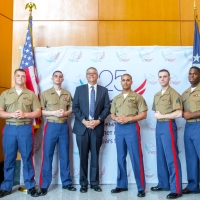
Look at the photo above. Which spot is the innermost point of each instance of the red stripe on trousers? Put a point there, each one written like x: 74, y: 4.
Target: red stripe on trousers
x: 45, y: 129
x: 140, y: 152
x: 175, y: 158
x: 32, y: 153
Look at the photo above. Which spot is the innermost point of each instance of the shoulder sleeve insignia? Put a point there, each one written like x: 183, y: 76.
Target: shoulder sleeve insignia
x: 178, y: 100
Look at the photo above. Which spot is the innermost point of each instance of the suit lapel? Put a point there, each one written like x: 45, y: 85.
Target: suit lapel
x: 98, y: 96
x: 85, y: 93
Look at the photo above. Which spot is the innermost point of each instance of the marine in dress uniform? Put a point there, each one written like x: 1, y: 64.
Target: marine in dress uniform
x: 167, y: 106
x: 18, y: 106
x: 191, y: 105
x: 56, y: 107
x: 128, y: 108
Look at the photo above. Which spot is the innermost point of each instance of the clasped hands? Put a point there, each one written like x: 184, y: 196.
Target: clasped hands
x: 59, y: 113
x: 158, y: 115
x: 122, y: 119
x: 187, y: 114
x: 18, y: 114
x: 91, y: 124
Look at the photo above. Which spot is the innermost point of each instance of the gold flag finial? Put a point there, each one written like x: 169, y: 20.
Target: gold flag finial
x: 30, y: 5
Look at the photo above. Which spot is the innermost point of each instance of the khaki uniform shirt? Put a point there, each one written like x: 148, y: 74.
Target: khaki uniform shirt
x: 51, y: 101
x: 130, y: 106
x: 191, y: 100
x: 27, y: 101
x: 168, y: 102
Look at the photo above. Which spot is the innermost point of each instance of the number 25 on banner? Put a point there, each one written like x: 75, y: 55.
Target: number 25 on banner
x: 108, y: 73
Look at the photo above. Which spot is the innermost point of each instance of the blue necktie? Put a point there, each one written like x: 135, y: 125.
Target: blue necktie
x: 92, y: 101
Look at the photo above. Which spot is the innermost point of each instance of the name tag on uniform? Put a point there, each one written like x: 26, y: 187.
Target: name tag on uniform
x: 27, y: 99
x: 65, y: 99
x: 196, y: 95
x: 166, y: 100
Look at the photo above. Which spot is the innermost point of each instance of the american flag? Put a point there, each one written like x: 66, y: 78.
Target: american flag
x: 196, y: 44
x: 28, y: 64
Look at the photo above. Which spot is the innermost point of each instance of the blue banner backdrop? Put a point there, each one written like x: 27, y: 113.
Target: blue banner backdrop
x: 143, y: 63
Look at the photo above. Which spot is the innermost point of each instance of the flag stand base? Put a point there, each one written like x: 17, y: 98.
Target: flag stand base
x: 22, y: 189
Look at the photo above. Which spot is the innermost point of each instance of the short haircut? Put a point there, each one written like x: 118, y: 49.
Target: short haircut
x: 126, y: 75
x: 194, y: 67
x: 164, y: 70
x: 19, y: 70
x: 56, y: 72
x: 91, y: 68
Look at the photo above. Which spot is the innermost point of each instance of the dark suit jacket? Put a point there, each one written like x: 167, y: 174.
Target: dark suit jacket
x: 80, y: 108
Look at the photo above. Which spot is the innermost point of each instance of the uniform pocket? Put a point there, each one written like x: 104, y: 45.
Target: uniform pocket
x: 9, y: 102
x: 118, y: 105
x: 195, y: 103
x: 27, y: 103
x: 132, y: 104
x: 167, y: 105
x: 51, y: 103
x: 65, y: 103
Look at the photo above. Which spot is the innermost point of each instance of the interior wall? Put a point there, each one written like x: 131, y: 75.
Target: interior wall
x: 6, y: 16
x: 105, y: 23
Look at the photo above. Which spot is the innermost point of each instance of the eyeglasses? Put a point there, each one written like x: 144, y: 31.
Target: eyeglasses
x: 91, y: 73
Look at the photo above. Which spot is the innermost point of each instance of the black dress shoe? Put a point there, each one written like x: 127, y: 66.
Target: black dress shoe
x: 118, y: 190
x: 43, y: 191
x: 141, y: 193
x: 156, y: 188
x: 4, y: 193
x: 33, y: 192
x: 83, y: 189
x: 186, y: 191
x: 173, y: 196
x: 69, y: 187
x: 96, y: 188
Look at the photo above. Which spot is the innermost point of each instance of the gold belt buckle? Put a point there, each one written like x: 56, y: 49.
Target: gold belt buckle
x: 17, y: 123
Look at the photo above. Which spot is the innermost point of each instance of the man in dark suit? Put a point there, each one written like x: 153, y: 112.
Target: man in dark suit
x: 91, y: 106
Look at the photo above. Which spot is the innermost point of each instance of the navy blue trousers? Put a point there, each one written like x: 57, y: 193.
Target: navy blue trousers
x: 55, y: 133
x: 89, y: 142
x: 128, y: 138
x: 192, y: 154
x: 168, y: 163
x: 14, y: 138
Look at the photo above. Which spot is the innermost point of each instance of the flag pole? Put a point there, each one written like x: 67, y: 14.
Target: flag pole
x: 196, y: 43
x: 195, y: 11
x: 29, y: 5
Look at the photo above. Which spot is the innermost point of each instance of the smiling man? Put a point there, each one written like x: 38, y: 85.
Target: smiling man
x: 18, y: 106
x: 167, y: 106
x: 91, y: 106
x: 191, y: 105
x: 127, y: 109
